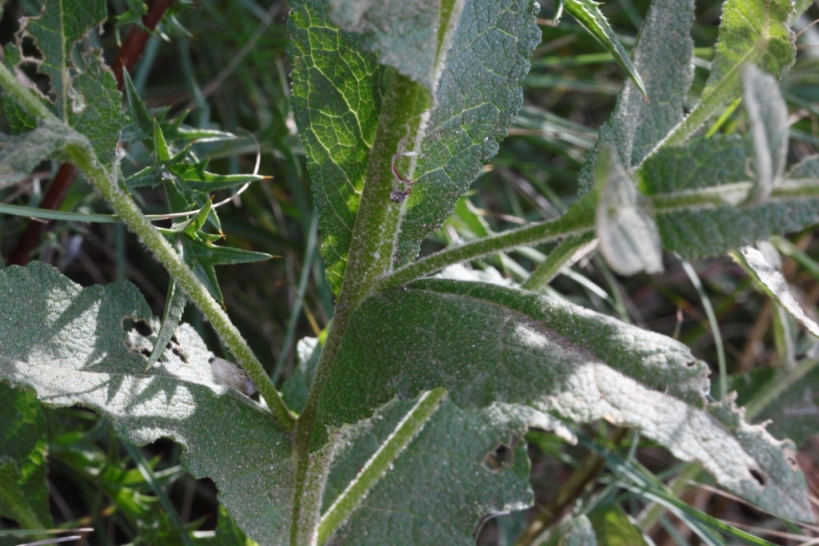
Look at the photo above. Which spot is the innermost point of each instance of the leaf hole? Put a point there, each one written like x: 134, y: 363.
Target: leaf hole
x: 140, y: 326
x: 758, y: 476
x: 500, y: 458
x: 177, y: 350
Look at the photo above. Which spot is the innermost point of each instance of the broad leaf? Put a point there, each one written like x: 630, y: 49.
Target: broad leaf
x: 751, y: 31
x: 712, y: 225
x: 462, y: 467
x: 336, y: 97
x: 490, y: 344
x: 23, y: 445
x: 472, y: 70
x: 77, y: 346
x: 663, y: 57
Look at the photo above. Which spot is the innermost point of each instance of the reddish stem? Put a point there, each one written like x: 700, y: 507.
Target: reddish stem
x: 128, y: 55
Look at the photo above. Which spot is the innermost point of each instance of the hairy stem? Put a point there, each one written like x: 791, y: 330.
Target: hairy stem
x: 370, y: 257
x: 555, y: 261
x: 569, y: 224
x: 380, y: 462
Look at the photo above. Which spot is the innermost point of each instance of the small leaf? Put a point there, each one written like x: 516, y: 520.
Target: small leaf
x: 768, y: 121
x: 55, y: 32
x: 751, y: 31
x: 663, y: 55
x: 629, y: 239
x: 141, y: 121
x: 588, y: 14
x: 97, y: 110
x: 774, y: 284
x: 77, y: 346
x: 175, y: 302
x: 487, y: 344
x: 20, y: 155
x: 161, y: 148
x: 23, y: 447
x: 195, y: 176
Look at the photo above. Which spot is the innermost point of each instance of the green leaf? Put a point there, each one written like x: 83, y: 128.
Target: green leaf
x: 581, y: 532
x: 196, y: 177
x: 628, y: 235
x: 716, y: 227
x: 479, y: 57
x: 336, y: 96
x: 699, y: 163
x: 461, y: 467
x: 19, y: 155
x: 751, y: 31
x: 97, y: 111
x: 663, y: 55
x: 23, y: 445
x: 140, y: 120
x: 55, y: 32
x: 83, y: 87
x: 613, y: 527
x: 175, y: 302
x: 77, y: 346
x: 488, y: 344
x: 768, y: 121
x: 588, y: 14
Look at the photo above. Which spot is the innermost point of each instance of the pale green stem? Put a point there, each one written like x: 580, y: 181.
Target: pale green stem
x: 370, y: 257
x: 125, y: 207
x: 380, y: 463
x: 529, y: 235
x: 555, y: 261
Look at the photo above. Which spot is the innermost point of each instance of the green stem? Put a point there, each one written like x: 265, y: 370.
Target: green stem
x: 82, y: 156
x: 538, y: 233
x: 555, y: 261
x: 380, y: 463
x: 370, y: 257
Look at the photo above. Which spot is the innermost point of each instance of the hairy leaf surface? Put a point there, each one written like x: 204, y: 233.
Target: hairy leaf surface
x: 83, y: 346
x: 717, y: 226
x: 663, y: 57
x: 471, y: 59
x: 463, y: 466
x: 487, y: 343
